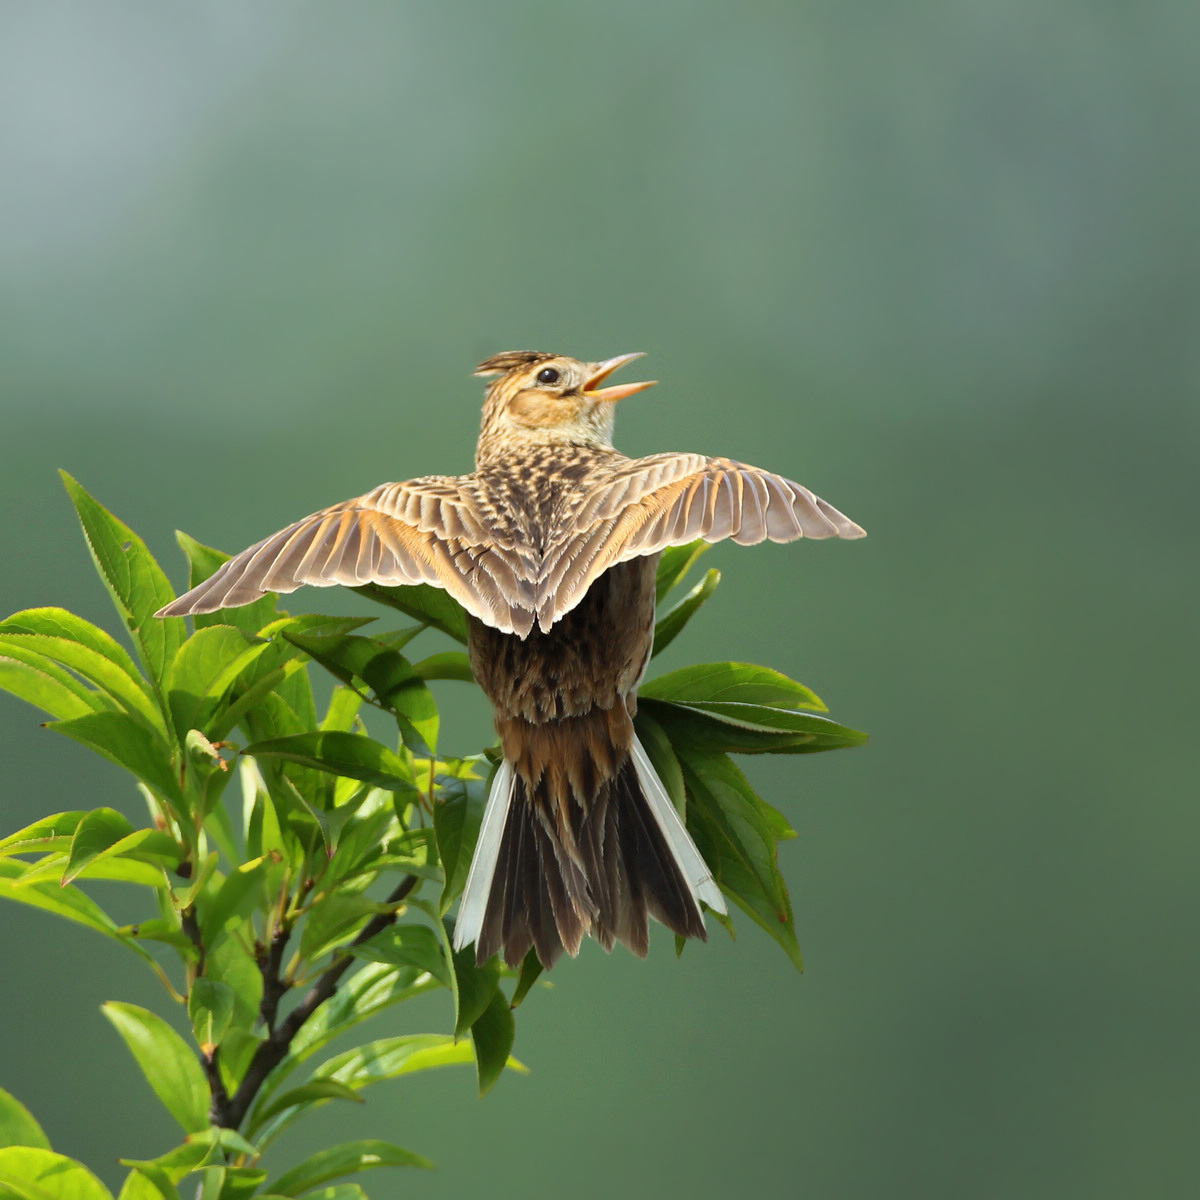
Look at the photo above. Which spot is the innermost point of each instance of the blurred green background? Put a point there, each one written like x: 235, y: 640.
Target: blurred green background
x: 938, y: 262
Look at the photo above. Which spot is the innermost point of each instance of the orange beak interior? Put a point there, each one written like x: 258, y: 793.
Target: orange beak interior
x: 603, y: 370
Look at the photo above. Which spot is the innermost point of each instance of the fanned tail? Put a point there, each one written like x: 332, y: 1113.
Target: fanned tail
x: 625, y: 858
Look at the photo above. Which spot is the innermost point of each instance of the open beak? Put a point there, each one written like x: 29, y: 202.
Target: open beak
x: 602, y: 370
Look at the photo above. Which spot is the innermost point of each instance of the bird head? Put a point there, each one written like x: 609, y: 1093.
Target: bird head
x: 549, y: 399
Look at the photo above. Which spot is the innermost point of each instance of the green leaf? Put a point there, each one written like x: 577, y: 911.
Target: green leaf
x: 389, y: 1058
x: 203, y: 561
x: 343, y: 710
x: 362, y: 825
x: 58, y: 636
x: 669, y: 626
x: 762, y: 716
x: 143, y: 848
x: 723, y: 792
x: 231, y: 963
x: 210, y: 1007
x: 17, y: 1126
x: 310, y: 1093
x: 456, y: 819
x: 136, y: 582
x: 200, y: 882
x: 414, y: 853
x: 346, y: 1159
x: 148, y: 1182
x: 531, y: 968
x: 240, y: 1183
x: 373, y: 1063
x: 204, y: 669
x: 748, y: 728
x: 730, y: 681
x: 337, y: 753
x: 239, y: 895
x: 271, y: 718
x: 737, y: 839
x: 340, y: 1191
x: 347, y: 657
x: 122, y: 870
x: 198, y: 1150
x: 171, y: 1069
x: 424, y: 603
x: 262, y: 831
x: 31, y: 678
x: 277, y: 675
x: 408, y: 945
x: 165, y: 930
x: 476, y: 986
x: 172, y: 1167
x: 492, y: 1034
x: 123, y: 739
x: 100, y: 829
x: 335, y: 920
x: 238, y: 1048
x: 449, y: 664
x: 63, y: 625
x: 284, y: 653
x: 674, y: 563
x: 67, y: 902
x: 390, y: 676
x: 35, y: 1173
x: 91, y: 665
x: 48, y: 833
x: 407, y: 696
x: 367, y: 992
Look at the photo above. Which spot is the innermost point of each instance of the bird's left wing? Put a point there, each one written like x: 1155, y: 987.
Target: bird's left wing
x: 426, y: 530
x: 648, y: 504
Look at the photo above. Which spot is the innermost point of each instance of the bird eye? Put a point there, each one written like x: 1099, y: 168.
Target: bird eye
x: 548, y: 375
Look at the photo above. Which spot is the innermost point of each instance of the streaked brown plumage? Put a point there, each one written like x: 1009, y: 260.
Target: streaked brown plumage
x: 551, y: 546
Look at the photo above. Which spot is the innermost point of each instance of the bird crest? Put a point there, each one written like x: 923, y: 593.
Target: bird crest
x: 508, y: 360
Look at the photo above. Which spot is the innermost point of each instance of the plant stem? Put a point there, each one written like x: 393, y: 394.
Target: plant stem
x: 229, y: 1111
x: 274, y: 988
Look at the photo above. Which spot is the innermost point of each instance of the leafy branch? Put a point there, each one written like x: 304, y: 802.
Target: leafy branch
x: 276, y: 918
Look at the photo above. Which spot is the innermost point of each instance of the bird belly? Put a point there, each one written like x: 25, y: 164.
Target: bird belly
x: 564, y: 700
x: 593, y: 657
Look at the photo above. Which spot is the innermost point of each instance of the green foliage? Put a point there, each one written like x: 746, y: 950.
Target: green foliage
x: 17, y: 1126
x: 298, y: 871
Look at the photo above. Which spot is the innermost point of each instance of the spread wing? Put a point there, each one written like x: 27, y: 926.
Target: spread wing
x: 669, y: 500
x: 423, y: 531
x: 437, y: 530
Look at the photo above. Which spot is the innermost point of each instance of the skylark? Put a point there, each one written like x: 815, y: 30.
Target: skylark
x: 551, y: 546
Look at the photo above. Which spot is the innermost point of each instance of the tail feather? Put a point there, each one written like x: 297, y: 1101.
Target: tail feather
x: 483, y: 864
x: 624, y: 858
x: 699, y: 878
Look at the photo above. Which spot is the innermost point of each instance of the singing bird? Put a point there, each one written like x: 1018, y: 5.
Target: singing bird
x: 551, y: 545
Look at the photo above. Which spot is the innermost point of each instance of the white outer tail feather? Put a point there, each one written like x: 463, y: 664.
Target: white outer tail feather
x: 695, y: 871
x: 480, y: 877
x: 483, y: 863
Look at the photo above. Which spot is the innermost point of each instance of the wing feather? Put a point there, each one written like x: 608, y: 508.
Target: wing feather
x: 445, y: 531
x: 753, y: 526
x: 422, y: 531
x: 670, y: 500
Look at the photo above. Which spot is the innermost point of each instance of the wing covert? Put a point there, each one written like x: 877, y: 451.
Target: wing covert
x: 670, y: 500
x: 421, y: 531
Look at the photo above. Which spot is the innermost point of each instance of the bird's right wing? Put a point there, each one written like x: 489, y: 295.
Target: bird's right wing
x: 425, y: 530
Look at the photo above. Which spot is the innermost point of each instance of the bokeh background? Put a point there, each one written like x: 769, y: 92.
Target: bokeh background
x: 936, y: 260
